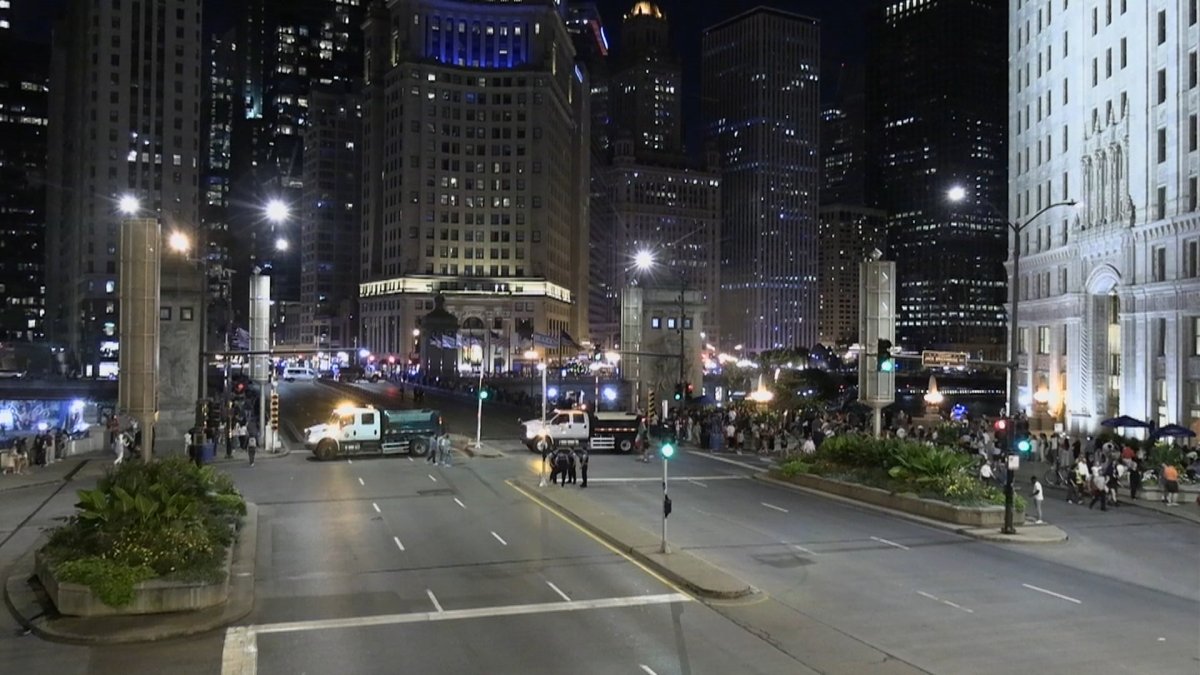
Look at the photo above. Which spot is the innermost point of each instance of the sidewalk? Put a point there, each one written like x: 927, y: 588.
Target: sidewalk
x: 57, y: 472
x: 1187, y: 509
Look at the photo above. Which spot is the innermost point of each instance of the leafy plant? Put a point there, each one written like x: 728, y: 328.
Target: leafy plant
x: 922, y: 464
x: 112, y: 582
x: 794, y: 467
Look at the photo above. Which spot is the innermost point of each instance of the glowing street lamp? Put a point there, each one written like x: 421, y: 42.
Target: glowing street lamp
x: 956, y: 193
x: 277, y: 211
x: 179, y: 242
x: 281, y: 244
x: 129, y: 205
x: 643, y: 260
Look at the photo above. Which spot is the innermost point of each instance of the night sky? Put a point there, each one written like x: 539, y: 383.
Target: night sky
x: 842, y: 31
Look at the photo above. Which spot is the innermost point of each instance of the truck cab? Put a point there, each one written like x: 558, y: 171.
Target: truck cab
x: 361, y: 430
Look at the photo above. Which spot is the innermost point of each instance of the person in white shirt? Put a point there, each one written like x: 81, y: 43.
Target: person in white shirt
x: 809, y: 446
x: 985, y: 473
x: 1038, y: 496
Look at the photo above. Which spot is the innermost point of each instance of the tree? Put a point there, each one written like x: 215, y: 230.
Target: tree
x: 803, y: 388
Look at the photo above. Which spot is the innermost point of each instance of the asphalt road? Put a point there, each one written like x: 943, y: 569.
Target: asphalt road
x: 384, y: 565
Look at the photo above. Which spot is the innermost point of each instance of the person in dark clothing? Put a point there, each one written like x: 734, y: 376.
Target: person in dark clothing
x: 583, y: 466
x: 571, y: 475
x: 1135, y: 477
x: 561, y: 462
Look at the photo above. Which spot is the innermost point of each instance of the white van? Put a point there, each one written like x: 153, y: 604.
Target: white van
x: 292, y: 374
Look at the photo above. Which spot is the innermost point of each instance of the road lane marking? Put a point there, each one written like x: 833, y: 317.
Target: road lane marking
x: 734, y: 462
x: 433, y: 599
x: 655, y: 479
x: 1048, y: 592
x: 773, y: 507
x: 693, y: 481
x: 945, y: 602
x: 956, y: 606
x: 459, y: 502
x: 890, y: 543
x: 646, y: 669
x: 803, y: 550
x: 397, y: 540
x: 475, y: 613
x: 558, y: 590
x: 239, y: 656
x: 923, y: 594
x: 410, y: 459
x: 500, y: 539
x: 360, y: 482
x: 376, y: 507
x: 431, y: 477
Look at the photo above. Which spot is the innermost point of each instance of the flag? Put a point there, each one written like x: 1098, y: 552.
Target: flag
x: 565, y: 338
x: 543, y: 340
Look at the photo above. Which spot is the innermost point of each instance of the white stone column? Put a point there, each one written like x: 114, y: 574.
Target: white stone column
x: 1136, y: 370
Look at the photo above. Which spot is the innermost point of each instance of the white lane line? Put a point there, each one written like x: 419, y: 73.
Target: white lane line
x: 890, y: 543
x: 500, y: 539
x: 646, y: 669
x: 956, y: 606
x: 776, y: 508
x: 476, y: 613
x: 459, y: 502
x: 376, y: 507
x: 433, y: 598
x: 652, y: 479
x: 1048, y: 592
x: 397, y: 540
x: 239, y: 656
x: 410, y: 459
x: 734, y: 462
x: 693, y: 481
x: 923, y: 594
x: 431, y: 477
x: 803, y: 550
x: 559, y: 591
x: 360, y: 482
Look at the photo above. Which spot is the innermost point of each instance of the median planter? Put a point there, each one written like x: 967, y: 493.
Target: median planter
x: 155, y: 596
x: 967, y: 516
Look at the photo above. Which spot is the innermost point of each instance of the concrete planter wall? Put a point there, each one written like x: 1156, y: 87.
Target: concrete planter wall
x: 149, y: 597
x: 968, y: 516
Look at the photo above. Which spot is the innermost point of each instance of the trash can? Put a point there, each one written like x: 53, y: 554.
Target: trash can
x: 207, y: 453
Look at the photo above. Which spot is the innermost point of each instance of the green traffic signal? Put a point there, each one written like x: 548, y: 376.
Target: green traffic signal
x: 483, y: 394
x: 668, y: 450
x: 1023, y: 445
x: 887, y: 365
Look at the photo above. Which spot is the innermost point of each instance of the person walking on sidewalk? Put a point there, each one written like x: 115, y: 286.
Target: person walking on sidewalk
x: 251, y: 448
x: 1099, y: 486
x: 445, y: 451
x: 1135, y: 476
x: 1170, y: 477
x: 1038, y: 497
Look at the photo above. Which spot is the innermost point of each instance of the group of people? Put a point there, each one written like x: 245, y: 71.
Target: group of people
x: 41, y: 449
x: 441, y: 451
x: 568, y: 465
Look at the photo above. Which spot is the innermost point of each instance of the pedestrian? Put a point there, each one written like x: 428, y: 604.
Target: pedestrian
x: 118, y: 447
x: 641, y: 441
x: 251, y: 448
x: 445, y: 451
x: 560, y: 467
x: 1099, y: 486
x: 1135, y: 476
x: 243, y: 434
x: 553, y: 465
x: 1038, y: 496
x: 571, y: 473
x: 1112, y: 475
x: 583, y: 466
x: 431, y: 454
x: 986, y: 475
x: 1170, y: 477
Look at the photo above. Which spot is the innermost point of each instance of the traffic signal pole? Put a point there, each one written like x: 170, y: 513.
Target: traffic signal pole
x: 666, y: 500
x: 479, y: 409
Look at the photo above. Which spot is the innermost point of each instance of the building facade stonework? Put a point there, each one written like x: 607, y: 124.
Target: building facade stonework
x: 1104, y: 101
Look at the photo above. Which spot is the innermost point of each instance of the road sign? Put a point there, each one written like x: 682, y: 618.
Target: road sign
x: 943, y: 359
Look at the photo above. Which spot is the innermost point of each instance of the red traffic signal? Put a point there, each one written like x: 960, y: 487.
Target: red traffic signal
x: 239, y: 388
x: 1001, y: 425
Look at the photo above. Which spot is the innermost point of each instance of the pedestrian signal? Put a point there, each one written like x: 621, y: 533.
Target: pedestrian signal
x: 668, y: 450
x: 884, y: 362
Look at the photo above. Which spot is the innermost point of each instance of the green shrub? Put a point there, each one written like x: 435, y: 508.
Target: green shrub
x: 112, y: 582
x: 922, y: 464
x: 794, y: 467
x: 166, y: 519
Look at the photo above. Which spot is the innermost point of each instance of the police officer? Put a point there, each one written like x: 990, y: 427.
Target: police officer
x: 571, y: 476
x: 583, y: 466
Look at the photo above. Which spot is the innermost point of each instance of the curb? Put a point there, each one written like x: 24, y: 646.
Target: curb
x: 974, y: 533
x: 650, y: 559
x: 465, y: 444
x: 29, y: 605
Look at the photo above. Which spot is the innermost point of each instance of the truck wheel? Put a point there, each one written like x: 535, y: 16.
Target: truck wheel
x: 326, y: 450
x: 419, y: 447
x: 625, y: 445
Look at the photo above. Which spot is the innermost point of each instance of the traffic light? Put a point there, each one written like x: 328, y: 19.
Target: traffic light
x: 239, y: 388
x: 667, y: 450
x: 1000, y: 427
x: 678, y: 392
x: 884, y: 362
x: 274, y: 411
x: 1024, y: 445
x: 484, y: 394
x: 687, y: 387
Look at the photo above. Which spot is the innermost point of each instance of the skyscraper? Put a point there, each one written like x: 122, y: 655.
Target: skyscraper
x: 286, y: 49
x: 663, y: 202
x: 124, y: 119
x: 1109, y: 319
x: 760, y: 74
x: 936, y: 116
x: 475, y: 161
x: 24, y: 92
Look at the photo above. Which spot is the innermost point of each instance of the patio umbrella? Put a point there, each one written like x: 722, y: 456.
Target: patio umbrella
x: 1173, y: 431
x: 1124, y: 422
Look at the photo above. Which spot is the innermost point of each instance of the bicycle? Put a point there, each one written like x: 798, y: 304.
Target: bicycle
x: 1057, y: 477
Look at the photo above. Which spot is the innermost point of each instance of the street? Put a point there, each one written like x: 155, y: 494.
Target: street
x: 368, y: 564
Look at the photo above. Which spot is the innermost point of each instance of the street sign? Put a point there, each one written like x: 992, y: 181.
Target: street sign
x: 943, y: 359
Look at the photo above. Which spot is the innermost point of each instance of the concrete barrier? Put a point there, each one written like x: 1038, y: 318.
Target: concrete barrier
x: 969, y: 516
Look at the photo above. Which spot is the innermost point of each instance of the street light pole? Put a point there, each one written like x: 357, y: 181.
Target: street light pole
x: 479, y: 408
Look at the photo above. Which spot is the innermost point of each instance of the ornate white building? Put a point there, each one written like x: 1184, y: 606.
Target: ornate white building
x: 1104, y: 101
